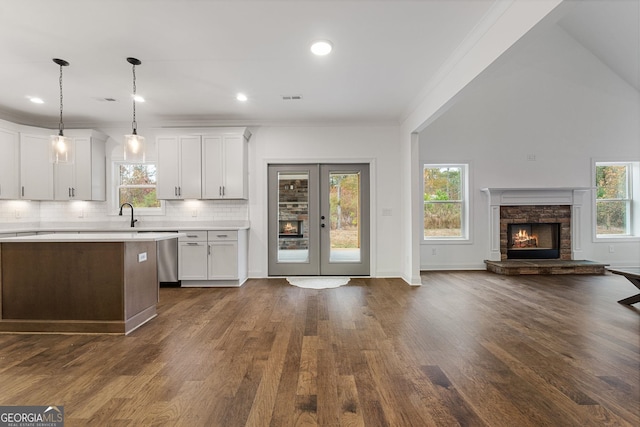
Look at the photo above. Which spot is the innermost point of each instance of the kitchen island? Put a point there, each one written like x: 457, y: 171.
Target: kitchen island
x: 83, y: 283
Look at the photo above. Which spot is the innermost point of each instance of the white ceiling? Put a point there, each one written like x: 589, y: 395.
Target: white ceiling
x: 197, y: 54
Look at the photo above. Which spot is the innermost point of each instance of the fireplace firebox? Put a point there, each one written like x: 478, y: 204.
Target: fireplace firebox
x: 533, y: 241
x: 290, y: 228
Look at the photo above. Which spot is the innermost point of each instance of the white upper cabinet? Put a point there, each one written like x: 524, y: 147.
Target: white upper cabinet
x: 85, y: 179
x: 178, y: 173
x: 36, y: 171
x: 9, y: 166
x: 225, y: 164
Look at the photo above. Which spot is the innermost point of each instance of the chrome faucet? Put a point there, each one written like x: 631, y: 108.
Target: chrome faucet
x: 133, y: 221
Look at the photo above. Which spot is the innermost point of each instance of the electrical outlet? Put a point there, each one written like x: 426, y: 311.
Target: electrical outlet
x: 194, y: 212
x: 81, y: 214
x: 142, y: 257
x: 18, y: 214
x: 531, y: 157
x: 611, y: 249
x: 434, y: 251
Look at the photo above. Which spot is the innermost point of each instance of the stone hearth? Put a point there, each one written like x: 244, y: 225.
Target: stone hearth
x: 545, y: 266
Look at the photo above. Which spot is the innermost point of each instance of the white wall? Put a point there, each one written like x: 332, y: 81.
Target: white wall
x: 376, y: 145
x: 547, y: 97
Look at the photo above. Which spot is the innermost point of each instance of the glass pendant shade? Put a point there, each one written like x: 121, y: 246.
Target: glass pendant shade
x: 134, y: 148
x: 61, y: 149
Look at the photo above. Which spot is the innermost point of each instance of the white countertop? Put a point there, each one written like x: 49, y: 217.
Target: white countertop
x: 94, y: 237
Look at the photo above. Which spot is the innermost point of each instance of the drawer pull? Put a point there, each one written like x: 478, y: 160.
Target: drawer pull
x: 192, y: 243
x: 192, y: 236
x: 222, y: 235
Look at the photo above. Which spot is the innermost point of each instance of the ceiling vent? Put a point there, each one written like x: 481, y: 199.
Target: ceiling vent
x: 292, y: 97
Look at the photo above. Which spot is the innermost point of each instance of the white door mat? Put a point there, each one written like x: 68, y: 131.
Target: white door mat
x: 318, y: 282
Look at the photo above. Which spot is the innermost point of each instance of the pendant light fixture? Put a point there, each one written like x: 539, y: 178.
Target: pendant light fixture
x: 61, y: 150
x: 134, y: 150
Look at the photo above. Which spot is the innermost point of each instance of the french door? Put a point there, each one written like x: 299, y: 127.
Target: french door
x: 318, y: 220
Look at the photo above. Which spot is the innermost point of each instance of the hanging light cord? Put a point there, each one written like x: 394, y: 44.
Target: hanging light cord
x: 134, y: 124
x: 61, y: 124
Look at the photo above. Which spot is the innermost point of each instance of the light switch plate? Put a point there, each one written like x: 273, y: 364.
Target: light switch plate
x: 142, y: 257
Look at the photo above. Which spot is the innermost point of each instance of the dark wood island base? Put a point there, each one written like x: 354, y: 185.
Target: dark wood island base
x: 77, y: 287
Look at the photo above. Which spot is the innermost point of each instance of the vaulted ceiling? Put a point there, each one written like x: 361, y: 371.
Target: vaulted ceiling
x: 197, y: 55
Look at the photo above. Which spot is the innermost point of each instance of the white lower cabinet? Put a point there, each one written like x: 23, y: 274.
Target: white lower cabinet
x: 192, y: 259
x: 214, y: 258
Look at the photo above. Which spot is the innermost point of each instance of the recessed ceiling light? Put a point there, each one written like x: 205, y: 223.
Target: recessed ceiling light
x: 138, y: 98
x: 241, y: 97
x: 321, y: 47
x: 36, y: 100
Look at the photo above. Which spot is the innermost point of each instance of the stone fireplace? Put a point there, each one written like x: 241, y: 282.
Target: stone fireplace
x: 533, y: 206
x: 538, y: 231
x: 535, y: 232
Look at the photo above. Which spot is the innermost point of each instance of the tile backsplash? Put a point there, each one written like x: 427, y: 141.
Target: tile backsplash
x: 20, y: 211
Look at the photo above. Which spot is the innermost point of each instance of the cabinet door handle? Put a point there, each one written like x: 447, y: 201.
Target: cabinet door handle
x: 220, y: 191
x: 69, y: 191
x: 192, y: 243
x: 223, y: 190
x: 179, y: 191
x: 175, y: 191
x: 73, y: 191
x: 23, y: 191
x: 208, y: 249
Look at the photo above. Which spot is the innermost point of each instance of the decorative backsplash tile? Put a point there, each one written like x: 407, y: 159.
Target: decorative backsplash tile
x: 21, y: 211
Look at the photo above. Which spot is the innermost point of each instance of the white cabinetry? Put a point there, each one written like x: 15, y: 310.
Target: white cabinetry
x: 85, y: 178
x: 9, y: 166
x: 224, y: 164
x: 213, y: 258
x: 193, y: 256
x: 179, y: 162
x: 36, y: 171
x: 223, y: 255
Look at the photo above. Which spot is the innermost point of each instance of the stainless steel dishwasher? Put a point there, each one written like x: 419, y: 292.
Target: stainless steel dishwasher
x: 167, y: 257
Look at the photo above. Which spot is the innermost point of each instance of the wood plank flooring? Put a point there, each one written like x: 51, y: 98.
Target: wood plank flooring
x: 466, y: 348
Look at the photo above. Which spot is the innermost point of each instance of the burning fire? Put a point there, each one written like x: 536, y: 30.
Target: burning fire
x: 522, y: 239
x: 289, y: 228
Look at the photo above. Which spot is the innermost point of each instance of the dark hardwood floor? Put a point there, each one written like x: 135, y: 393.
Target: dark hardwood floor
x: 466, y: 348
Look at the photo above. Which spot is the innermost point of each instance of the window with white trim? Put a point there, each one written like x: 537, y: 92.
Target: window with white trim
x: 615, y: 202
x: 136, y: 184
x: 445, y: 202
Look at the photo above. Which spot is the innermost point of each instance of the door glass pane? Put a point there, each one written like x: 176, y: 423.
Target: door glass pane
x: 293, y: 217
x: 344, y: 200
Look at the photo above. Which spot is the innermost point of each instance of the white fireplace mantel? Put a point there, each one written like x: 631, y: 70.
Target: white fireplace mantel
x: 574, y: 197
